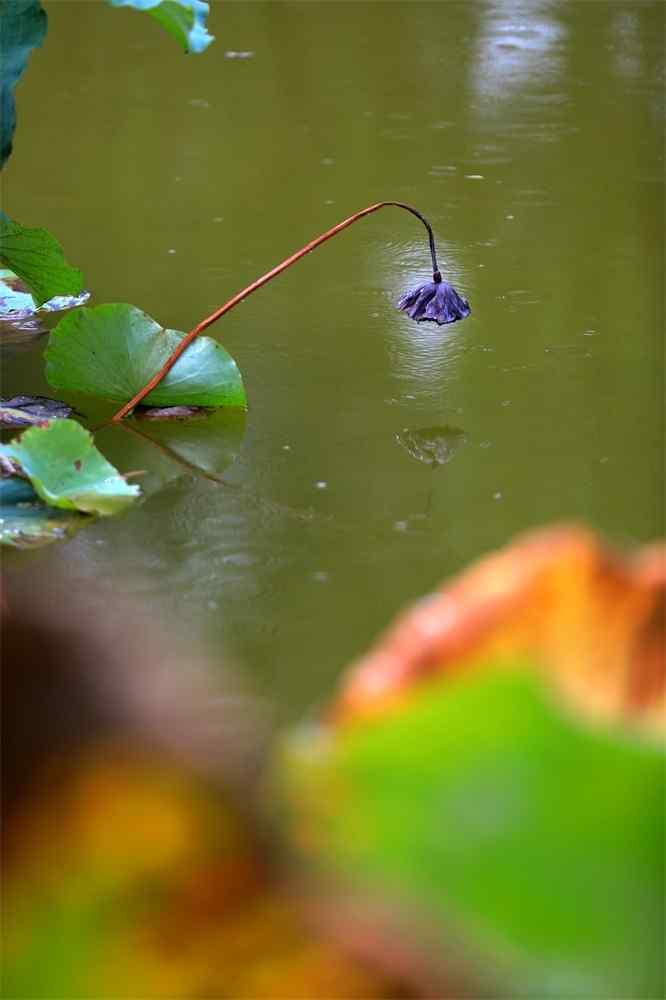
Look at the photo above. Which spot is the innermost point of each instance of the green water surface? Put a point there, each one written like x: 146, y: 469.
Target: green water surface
x: 530, y: 133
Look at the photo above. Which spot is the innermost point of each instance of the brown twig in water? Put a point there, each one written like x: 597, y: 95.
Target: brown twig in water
x: 259, y: 283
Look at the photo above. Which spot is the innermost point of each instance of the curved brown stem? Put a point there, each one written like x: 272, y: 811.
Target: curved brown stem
x: 259, y: 283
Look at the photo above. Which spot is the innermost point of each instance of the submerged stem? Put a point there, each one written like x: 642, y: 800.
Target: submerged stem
x: 263, y: 280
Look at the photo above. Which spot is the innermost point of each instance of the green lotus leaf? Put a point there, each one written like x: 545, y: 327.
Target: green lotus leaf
x: 36, y: 257
x: 66, y: 469
x: 184, y: 19
x: 113, y: 350
x: 18, y: 309
x: 531, y: 839
x: 24, y: 26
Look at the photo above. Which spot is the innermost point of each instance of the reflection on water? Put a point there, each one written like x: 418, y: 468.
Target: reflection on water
x: 521, y: 48
x: 496, y: 120
x: 427, y: 357
x: 626, y: 44
x: 432, y: 445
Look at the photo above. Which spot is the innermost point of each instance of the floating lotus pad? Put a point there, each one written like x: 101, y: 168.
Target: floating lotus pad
x: 184, y: 19
x: 36, y: 257
x: 67, y: 471
x: 113, y: 350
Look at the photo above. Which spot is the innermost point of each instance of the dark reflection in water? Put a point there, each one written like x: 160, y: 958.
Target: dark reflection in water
x: 432, y: 445
x: 530, y: 133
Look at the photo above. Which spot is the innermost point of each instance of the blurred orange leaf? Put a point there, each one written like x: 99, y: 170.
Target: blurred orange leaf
x: 592, y: 619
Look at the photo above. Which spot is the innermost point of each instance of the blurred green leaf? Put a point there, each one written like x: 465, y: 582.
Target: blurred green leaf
x: 113, y: 350
x: 36, y: 257
x: 66, y: 469
x: 526, y: 833
x: 184, y: 19
x: 24, y: 26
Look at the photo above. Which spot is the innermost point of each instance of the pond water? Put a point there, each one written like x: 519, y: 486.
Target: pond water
x: 530, y: 133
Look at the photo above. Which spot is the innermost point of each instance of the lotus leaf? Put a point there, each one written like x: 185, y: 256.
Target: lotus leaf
x: 36, y: 257
x: 113, y: 350
x: 66, y: 469
x: 184, y: 19
x: 23, y: 29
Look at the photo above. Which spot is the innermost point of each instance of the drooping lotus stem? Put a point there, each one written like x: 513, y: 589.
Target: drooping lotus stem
x: 434, y: 301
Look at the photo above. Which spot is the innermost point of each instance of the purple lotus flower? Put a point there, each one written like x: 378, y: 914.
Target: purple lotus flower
x: 436, y: 301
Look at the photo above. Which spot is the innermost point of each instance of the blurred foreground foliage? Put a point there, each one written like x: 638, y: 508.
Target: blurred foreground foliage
x: 149, y: 884
x: 479, y: 813
x: 532, y: 840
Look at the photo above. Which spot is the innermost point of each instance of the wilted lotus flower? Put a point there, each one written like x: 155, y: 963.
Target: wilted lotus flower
x: 436, y: 301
